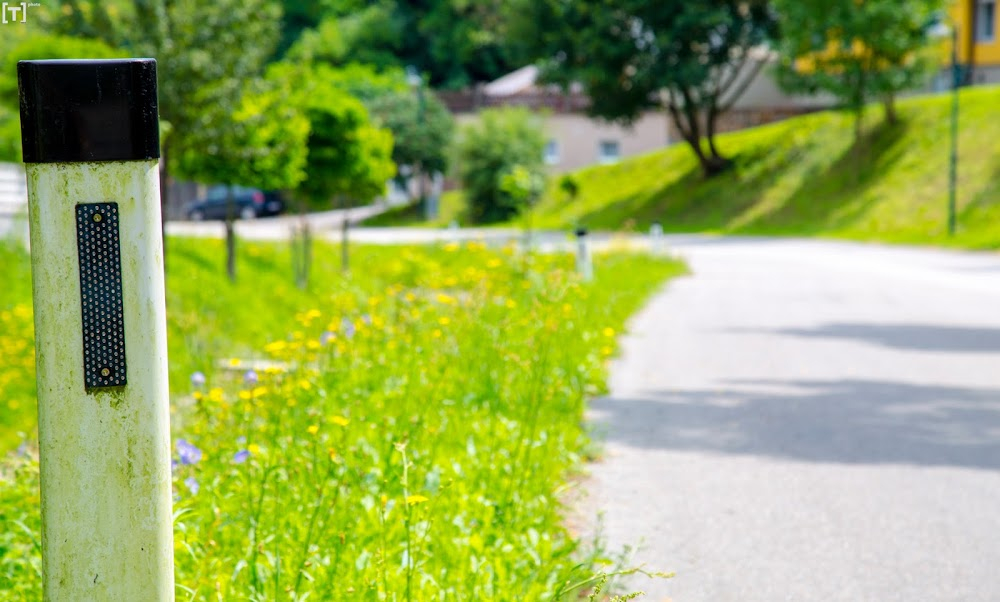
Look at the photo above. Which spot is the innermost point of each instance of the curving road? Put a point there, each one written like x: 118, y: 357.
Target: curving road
x: 805, y: 420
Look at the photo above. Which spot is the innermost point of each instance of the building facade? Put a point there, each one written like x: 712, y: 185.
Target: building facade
x: 977, y: 23
x: 576, y: 140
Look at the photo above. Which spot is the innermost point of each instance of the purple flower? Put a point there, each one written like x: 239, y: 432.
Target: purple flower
x: 326, y: 337
x: 348, y: 327
x: 250, y: 378
x: 197, y: 380
x: 192, y: 485
x: 241, y: 456
x: 188, y: 454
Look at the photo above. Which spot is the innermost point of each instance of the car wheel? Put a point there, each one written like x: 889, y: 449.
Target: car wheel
x: 248, y: 213
x: 197, y: 215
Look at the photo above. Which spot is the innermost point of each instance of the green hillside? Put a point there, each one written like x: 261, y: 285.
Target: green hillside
x: 807, y: 176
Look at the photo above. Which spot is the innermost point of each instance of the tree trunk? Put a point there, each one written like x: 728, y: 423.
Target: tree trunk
x: 686, y: 122
x: 345, y: 260
x: 716, y: 163
x: 230, y: 234
x: 889, y: 103
x: 302, y: 249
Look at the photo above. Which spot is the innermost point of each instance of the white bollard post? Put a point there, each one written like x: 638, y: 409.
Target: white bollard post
x: 90, y: 137
x: 584, y: 265
x: 656, y: 238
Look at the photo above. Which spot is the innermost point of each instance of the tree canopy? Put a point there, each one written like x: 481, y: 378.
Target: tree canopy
x: 857, y: 51
x: 455, y: 42
x: 693, y: 59
x: 347, y: 155
x: 495, y: 156
x: 421, y: 126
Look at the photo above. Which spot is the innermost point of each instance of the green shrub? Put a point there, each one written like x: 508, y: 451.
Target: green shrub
x: 490, y: 149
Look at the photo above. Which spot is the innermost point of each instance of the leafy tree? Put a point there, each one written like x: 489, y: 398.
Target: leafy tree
x: 262, y: 143
x: 370, y: 35
x: 857, y: 51
x: 349, y: 159
x: 692, y: 58
x: 298, y: 16
x: 489, y: 150
x: 205, y: 53
x: 10, y: 135
x: 363, y: 82
x: 421, y: 128
x: 456, y: 42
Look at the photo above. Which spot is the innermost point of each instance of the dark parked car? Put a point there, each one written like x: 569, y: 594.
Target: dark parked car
x: 248, y: 203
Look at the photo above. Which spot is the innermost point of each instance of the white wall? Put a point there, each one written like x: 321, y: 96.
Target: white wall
x: 578, y: 137
x: 13, y: 201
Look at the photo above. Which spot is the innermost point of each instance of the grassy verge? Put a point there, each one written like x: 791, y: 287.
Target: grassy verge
x: 411, y: 442
x: 451, y: 208
x: 808, y: 176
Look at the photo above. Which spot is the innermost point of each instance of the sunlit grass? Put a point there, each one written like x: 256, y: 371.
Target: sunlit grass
x: 401, y: 433
x: 808, y: 176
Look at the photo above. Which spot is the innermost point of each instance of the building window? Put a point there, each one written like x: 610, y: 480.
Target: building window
x: 608, y: 151
x: 551, y: 154
x: 986, y: 20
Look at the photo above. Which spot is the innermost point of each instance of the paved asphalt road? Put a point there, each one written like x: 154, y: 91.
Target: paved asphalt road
x: 805, y: 420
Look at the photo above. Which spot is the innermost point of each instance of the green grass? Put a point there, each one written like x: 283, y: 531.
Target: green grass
x: 808, y: 176
x: 451, y: 207
x: 416, y: 445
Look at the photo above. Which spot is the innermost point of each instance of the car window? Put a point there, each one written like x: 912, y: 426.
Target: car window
x: 216, y: 193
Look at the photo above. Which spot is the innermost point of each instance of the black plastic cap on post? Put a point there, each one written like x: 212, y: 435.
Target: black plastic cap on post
x: 88, y: 110
x: 581, y: 231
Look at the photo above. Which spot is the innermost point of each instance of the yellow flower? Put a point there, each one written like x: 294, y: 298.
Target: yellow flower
x: 234, y: 362
x: 258, y: 391
x: 451, y: 247
x: 415, y: 499
x: 511, y: 304
x: 275, y: 347
x: 339, y: 420
x: 245, y: 395
x: 437, y: 333
x: 443, y: 321
x: 215, y: 394
x: 446, y: 299
x: 332, y: 453
x: 313, y: 429
x: 305, y: 384
x: 608, y: 332
x: 292, y: 402
x: 494, y: 263
x: 253, y: 448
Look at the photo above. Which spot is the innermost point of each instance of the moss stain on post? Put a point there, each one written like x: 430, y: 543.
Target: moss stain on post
x: 105, y: 453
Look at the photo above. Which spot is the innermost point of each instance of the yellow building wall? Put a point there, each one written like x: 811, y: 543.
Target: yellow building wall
x: 987, y: 53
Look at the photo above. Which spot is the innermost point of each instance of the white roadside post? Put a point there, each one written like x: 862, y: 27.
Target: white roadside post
x: 656, y: 238
x: 584, y: 265
x: 90, y: 137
